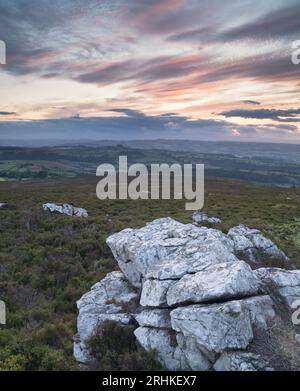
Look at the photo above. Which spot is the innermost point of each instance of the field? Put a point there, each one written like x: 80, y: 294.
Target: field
x: 48, y: 261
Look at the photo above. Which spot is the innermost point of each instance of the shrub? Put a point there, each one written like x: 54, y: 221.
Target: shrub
x: 115, y: 348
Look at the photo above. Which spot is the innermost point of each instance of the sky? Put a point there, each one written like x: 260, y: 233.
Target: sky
x: 150, y: 69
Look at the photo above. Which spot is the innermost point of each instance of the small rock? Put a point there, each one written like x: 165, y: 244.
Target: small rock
x: 174, y: 352
x: 154, y: 293
x: 191, y: 356
x: 261, y: 310
x: 250, y: 243
x: 163, y: 342
x: 159, y: 318
x: 66, y: 209
x: 80, y: 212
x: 284, y: 284
x: 202, y: 217
x: 241, y: 361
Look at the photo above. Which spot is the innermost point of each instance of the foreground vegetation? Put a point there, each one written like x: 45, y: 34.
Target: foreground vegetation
x: 48, y: 261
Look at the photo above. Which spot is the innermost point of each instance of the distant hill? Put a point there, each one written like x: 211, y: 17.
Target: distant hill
x: 267, y: 164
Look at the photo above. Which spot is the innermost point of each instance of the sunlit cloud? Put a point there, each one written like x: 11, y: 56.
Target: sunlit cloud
x: 140, y: 59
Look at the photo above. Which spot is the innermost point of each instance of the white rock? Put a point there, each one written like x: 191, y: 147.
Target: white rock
x: 261, y: 310
x: 251, y: 242
x: 159, y: 318
x: 241, y: 361
x: 163, y: 342
x: 282, y: 283
x: 173, y: 351
x: 167, y: 266
x: 154, y: 293
x: 136, y: 251
x: 191, y: 354
x: 216, y: 327
x: 194, y: 259
x: 110, y: 299
x: 202, y: 217
x: 65, y: 209
x: 80, y: 212
x: 219, y: 282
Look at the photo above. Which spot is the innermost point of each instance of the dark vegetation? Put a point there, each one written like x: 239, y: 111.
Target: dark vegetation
x: 48, y: 261
x: 125, y: 355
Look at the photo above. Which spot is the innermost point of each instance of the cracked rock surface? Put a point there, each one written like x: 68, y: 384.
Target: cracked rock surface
x: 195, y: 302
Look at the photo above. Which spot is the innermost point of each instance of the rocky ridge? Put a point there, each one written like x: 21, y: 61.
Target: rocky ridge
x: 192, y: 296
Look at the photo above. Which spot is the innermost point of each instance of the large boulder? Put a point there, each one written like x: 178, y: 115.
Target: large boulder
x: 222, y: 326
x: 224, y: 281
x: 137, y: 251
x: 66, y: 209
x: 194, y: 302
x: 216, y: 327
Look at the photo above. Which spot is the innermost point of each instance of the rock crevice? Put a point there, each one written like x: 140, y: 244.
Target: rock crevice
x: 196, y: 303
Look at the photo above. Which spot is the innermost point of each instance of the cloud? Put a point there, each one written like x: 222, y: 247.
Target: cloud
x: 281, y: 22
x: 158, y: 53
x: 129, y: 112
x: 273, y: 114
x: 157, y: 17
x: 48, y: 37
x: 142, y: 71
x: 134, y: 125
x: 267, y: 68
x: 137, y: 125
x: 68, y: 40
x: 251, y: 102
x: 8, y: 113
x: 197, y: 35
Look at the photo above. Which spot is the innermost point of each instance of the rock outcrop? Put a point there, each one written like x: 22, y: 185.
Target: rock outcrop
x: 66, y: 209
x: 194, y: 301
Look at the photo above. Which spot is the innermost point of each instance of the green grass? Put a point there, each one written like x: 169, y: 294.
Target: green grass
x: 48, y: 261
